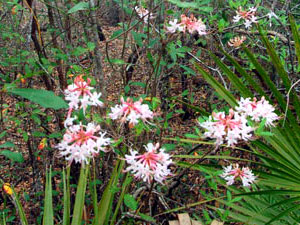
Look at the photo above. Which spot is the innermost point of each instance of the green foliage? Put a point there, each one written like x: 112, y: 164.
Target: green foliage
x: 130, y: 202
x: 79, y: 6
x: 13, y: 156
x: 48, y: 217
x: 46, y: 99
x: 80, y: 196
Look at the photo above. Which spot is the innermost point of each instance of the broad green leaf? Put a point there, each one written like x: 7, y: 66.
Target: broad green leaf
x: 13, y: 156
x: 46, y: 99
x: 7, y: 144
x: 79, y: 6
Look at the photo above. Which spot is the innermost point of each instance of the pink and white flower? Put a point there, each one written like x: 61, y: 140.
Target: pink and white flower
x: 192, y: 24
x: 231, y: 128
x: 231, y: 173
x: 174, y: 26
x: 131, y: 111
x: 257, y: 110
x: 144, y: 13
x: 248, y: 16
x: 79, y: 95
x: 153, y: 164
x: 81, y: 143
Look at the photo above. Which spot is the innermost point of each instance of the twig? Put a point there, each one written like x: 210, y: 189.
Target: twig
x: 288, y: 100
x: 269, y: 32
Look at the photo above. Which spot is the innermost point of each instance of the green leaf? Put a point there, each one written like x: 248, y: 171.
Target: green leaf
x: 247, y: 76
x: 48, y: 205
x: 66, y: 181
x: 3, y: 134
x: 7, y: 144
x: 55, y: 135
x: 78, y: 7
x: 91, y: 46
x: 264, y: 75
x: 195, y: 108
x: 275, y: 59
x: 20, y: 208
x: 117, y: 61
x: 284, y: 213
x: 46, y: 99
x: 206, y: 9
x: 147, y: 217
x: 13, y: 156
x: 79, y: 51
x: 232, y: 77
x: 182, y: 4
x: 130, y: 202
x: 140, y: 84
x: 191, y: 136
x: 296, y: 37
x: 38, y: 134
x: 217, y: 86
x: 169, y: 147
x: 80, y: 195
x: 126, y: 183
x: 107, y: 197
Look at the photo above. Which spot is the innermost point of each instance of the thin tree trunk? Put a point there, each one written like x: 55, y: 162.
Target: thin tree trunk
x: 98, y: 71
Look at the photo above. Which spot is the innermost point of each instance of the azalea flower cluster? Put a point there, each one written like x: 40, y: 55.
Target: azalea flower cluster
x: 231, y: 128
x: 234, y: 126
x: 153, y: 164
x: 247, y: 16
x: 79, y: 95
x: 236, y: 41
x: 81, y: 143
x: 144, y: 13
x: 231, y: 173
x: 258, y: 110
x: 190, y: 24
x: 131, y: 111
